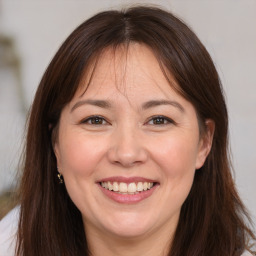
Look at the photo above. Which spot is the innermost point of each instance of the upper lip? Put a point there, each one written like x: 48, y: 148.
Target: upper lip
x: 126, y: 179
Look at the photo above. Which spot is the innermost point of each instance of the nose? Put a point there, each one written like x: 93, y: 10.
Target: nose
x: 127, y: 148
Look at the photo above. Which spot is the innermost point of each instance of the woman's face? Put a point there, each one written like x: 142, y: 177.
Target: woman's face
x: 129, y: 146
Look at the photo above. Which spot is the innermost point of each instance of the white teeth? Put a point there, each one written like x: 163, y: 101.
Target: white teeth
x: 132, y: 187
x: 140, y: 186
x: 145, y: 186
x: 110, y: 186
x: 125, y: 188
x: 115, y: 186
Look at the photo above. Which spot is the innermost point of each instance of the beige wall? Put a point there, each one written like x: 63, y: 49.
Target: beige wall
x: 227, y: 27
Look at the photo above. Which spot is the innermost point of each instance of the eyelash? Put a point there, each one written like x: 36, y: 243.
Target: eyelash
x: 163, y: 119
x: 92, y: 119
x: 157, y: 120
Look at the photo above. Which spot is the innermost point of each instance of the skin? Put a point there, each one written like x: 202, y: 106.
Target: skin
x: 127, y: 140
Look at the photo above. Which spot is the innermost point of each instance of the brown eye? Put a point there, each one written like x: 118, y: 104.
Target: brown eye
x: 95, y: 120
x: 160, y: 120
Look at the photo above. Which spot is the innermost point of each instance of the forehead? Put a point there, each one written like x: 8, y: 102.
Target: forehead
x: 132, y: 70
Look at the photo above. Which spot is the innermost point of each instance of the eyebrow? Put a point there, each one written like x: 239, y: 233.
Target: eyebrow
x: 154, y: 103
x: 97, y: 103
x: 146, y: 105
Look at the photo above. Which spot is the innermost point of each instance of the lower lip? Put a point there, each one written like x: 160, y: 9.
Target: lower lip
x: 128, y: 198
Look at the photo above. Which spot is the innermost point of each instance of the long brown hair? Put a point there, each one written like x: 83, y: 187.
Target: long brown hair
x: 212, y: 220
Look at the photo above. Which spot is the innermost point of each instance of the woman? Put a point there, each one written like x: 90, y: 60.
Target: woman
x: 127, y: 146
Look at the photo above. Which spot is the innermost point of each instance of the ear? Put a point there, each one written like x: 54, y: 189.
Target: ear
x: 205, y: 143
x: 55, y: 145
x: 56, y: 152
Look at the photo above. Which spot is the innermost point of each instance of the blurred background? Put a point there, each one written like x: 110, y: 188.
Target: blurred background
x: 32, y: 31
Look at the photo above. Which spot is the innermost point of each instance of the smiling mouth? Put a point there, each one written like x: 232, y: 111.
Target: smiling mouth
x: 132, y: 188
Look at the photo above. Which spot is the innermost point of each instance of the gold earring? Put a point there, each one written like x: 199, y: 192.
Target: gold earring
x: 60, y: 177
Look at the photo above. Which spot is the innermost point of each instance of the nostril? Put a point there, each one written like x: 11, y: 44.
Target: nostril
x: 127, y: 158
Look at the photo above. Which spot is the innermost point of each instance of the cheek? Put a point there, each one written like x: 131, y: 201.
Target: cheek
x: 79, y: 159
x: 79, y: 156
x: 176, y: 156
x: 176, y: 159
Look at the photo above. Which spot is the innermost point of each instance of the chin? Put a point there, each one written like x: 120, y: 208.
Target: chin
x: 129, y: 226
x: 129, y: 233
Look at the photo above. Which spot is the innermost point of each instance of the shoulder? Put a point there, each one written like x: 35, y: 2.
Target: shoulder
x: 8, y: 230
x: 246, y: 253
